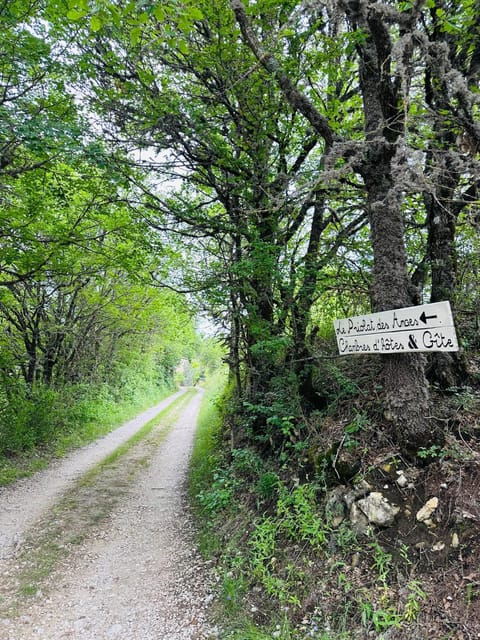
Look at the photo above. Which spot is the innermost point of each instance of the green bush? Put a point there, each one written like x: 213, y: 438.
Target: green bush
x: 29, y: 419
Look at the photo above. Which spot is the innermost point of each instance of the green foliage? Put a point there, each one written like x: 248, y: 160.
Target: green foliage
x: 275, y: 415
x: 263, y: 223
x: 278, y: 631
x: 299, y: 517
x: 431, y: 452
x: 381, y: 617
x: 268, y: 484
x: 382, y: 562
x: 219, y: 495
x: 263, y: 543
x: 206, y: 452
x: 416, y: 595
x: 247, y: 463
x: 234, y: 587
x: 29, y: 419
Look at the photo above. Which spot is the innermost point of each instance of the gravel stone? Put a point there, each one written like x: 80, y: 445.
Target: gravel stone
x: 141, y: 578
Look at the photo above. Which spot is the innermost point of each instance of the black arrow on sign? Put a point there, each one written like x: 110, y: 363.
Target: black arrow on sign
x: 424, y: 318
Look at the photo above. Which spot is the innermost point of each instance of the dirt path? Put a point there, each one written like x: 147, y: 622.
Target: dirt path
x: 22, y: 503
x: 138, y: 577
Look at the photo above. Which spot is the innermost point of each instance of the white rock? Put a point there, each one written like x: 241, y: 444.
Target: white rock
x: 429, y: 523
x: 427, y: 510
x: 361, y: 489
x: 378, y: 509
x: 401, y: 480
x: 358, y: 519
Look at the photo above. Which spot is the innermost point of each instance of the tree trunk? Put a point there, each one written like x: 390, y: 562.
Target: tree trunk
x: 405, y: 388
x: 301, y: 309
x: 444, y: 368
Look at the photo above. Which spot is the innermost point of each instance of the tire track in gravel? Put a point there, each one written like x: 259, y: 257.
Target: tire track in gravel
x: 23, y: 502
x: 139, y: 577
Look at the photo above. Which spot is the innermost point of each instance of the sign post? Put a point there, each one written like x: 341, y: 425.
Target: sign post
x: 428, y: 327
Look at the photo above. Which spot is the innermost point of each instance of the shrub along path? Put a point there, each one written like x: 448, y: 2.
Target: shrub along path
x: 115, y: 557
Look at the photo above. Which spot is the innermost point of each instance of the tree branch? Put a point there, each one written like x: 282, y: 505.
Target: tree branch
x: 295, y: 98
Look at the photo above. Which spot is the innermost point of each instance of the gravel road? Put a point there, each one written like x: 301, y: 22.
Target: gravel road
x: 22, y: 503
x: 139, y: 577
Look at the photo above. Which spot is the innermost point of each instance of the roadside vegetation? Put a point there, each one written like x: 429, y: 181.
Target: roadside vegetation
x: 293, y: 561
x: 41, y: 422
x: 63, y: 420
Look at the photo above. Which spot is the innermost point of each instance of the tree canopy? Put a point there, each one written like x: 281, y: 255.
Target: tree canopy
x: 280, y: 163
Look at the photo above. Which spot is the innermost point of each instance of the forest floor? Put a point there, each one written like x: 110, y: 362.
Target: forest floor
x: 101, y: 545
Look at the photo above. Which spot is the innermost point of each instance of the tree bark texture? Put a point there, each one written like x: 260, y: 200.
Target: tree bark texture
x: 446, y: 369
x: 406, y: 397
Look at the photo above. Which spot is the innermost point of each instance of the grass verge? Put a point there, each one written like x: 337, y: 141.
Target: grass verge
x: 206, y: 451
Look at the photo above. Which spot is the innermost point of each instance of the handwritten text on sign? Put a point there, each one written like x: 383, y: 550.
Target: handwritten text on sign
x: 424, y: 328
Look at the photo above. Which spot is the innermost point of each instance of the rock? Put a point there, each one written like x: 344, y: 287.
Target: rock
x: 363, y: 486
x: 358, y: 519
x: 378, y: 509
x: 439, y: 546
x: 360, y: 489
x: 401, y: 480
x: 427, y: 510
x: 337, y: 521
x: 335, y: 505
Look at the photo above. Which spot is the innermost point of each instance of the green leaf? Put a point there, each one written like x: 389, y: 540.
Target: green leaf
x: 96, y: 24
x: 135, y: 35
x: 182, y: 47
x: 159, y: 13
x: 184, y: 25
x: 75, y: 14
x: 195, y: 14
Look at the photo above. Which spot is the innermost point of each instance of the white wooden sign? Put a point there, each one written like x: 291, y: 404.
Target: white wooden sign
x: 428, y: 327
